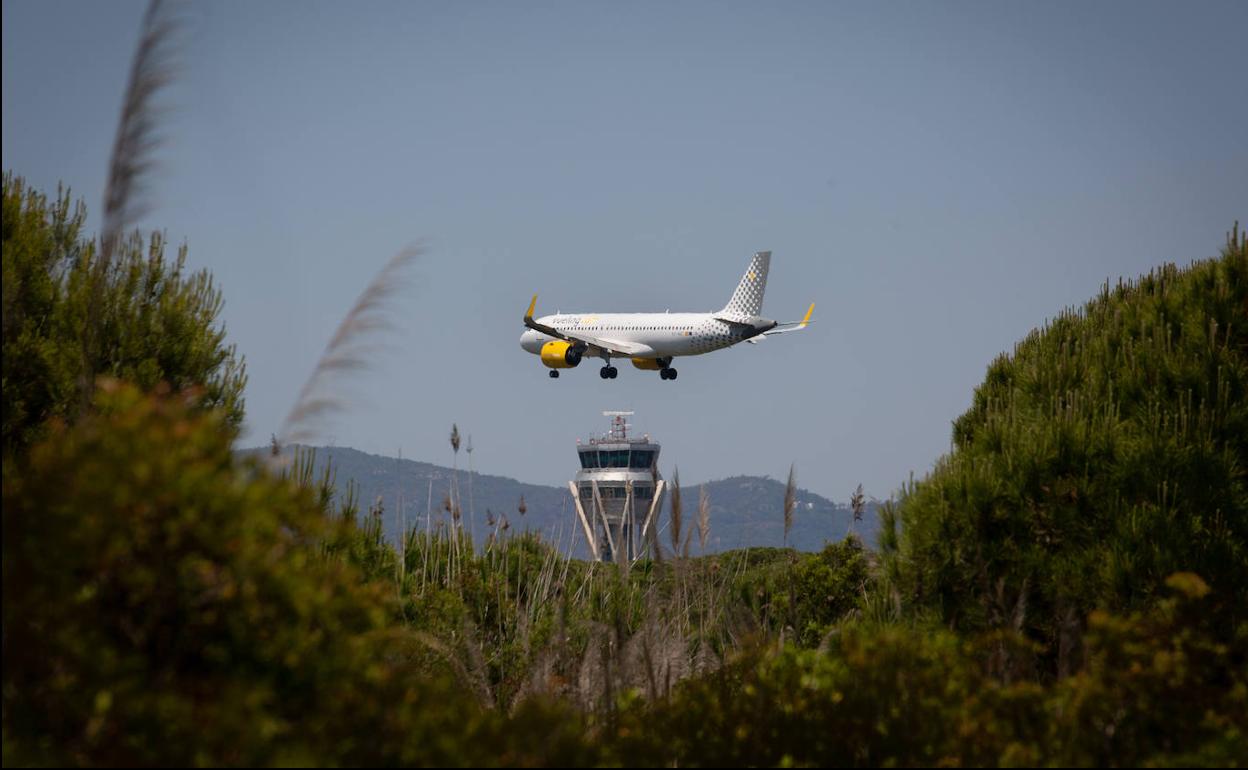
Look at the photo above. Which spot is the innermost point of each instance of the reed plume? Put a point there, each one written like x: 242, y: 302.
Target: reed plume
x: 677, y: 512
x: 131, y: 162
x: 349, y: 350
x: 455, y: 468
x: 790, y: 502
x: 704, y: 517
x: 137, y: 138
x: 858, y: 504
x: 472, y: 508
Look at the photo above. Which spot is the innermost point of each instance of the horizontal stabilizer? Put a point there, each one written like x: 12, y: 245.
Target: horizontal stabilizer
x: 796, y: 326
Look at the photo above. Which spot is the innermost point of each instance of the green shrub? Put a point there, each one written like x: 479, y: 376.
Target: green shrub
x: 827, y: 586
x: 1108, y: 452
x: 775, y: 588
x: 149, y: 322
x: 1159, y: 688
x: 163, y: 604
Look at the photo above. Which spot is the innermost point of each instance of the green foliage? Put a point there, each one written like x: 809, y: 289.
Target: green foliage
x: 518, y: 617
x: 828, y: 585
x: 150, y: 322
x: 873, y: 699
x: 1159, y: 688
x: 1106, y: 453
x: 164, y: 605
x: 518, y: 614
x: 809, y: 593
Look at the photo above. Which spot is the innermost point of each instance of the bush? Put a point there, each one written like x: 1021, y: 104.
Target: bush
x: 1105, y: 454
x: 163, y: 605
x: 143, y: 320
x: 1159, y: 688
x: 809, y: 593
x: 828, y: 585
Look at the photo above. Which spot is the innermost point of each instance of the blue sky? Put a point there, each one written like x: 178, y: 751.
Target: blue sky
x: 939, y: 177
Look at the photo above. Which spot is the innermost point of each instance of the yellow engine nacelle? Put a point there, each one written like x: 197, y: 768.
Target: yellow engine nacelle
x: 558, y: 354
x: 649, y: 364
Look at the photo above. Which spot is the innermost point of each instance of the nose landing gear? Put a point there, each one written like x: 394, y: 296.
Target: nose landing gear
x: 554, y: 374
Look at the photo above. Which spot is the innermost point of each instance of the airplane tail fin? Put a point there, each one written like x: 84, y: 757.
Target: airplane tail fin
x: 747, y: 300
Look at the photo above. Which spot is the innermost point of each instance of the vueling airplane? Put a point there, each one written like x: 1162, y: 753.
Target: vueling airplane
x: 652, y: 340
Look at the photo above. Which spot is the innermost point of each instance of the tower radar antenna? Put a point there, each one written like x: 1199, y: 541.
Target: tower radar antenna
x: 619, y: 426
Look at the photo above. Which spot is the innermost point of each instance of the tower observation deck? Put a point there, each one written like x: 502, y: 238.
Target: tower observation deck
x: 617, y: 491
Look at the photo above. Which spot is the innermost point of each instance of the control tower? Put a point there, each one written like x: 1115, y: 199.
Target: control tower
x: 617, y: 491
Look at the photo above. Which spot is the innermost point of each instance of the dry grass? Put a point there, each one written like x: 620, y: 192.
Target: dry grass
x: 858, y: 503
x: 137, y: 138
x: 350, y: 350
x: 677, y: 513
x: 704, y: 517
x: 131, y: 162
x: 790, y: 502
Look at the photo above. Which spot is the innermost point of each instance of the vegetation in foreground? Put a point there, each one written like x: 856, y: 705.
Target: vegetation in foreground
x: 1066, y: 587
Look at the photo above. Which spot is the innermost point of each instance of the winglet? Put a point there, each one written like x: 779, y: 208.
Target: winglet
x: 805, y: 320
x: 529, y: 315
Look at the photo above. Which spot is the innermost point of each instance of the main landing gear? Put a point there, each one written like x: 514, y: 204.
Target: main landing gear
x: 608, y: 372
x: 666, y: 372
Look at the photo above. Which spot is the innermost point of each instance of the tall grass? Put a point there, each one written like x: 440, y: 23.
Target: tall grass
x: 129, y: 166
x: 519, y: 617
x: 350, y: 350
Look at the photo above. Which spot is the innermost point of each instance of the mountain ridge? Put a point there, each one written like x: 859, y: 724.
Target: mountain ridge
x: 745, y: 511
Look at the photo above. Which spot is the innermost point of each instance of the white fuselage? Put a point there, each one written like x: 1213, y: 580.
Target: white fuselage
x: 662, y: 335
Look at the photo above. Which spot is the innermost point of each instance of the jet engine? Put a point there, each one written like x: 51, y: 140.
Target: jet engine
x: 559, y: 354
x: 652, y: 364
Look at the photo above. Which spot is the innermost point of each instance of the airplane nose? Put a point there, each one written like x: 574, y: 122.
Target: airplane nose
x: 528, y: 341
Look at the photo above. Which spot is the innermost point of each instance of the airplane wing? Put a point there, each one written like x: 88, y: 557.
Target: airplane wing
x: 614, y: 347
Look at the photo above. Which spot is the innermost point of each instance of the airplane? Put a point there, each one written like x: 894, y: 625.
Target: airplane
x: 652, y: 340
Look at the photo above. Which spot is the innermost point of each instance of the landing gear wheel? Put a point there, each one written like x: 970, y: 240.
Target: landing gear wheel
x: 605, y: 372
x: 614, y: 372
x: 668, y: 373
x: 554, y: 375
